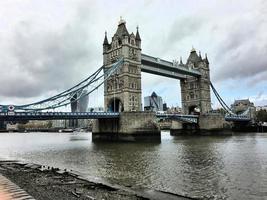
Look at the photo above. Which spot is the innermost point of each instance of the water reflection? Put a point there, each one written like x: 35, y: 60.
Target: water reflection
x: 201, y: 165
x: 233, y: 167
x: 127, y: 163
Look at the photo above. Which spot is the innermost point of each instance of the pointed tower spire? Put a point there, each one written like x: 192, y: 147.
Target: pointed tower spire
x: 206, y: 58
x: 105, y: 39
x: 193, y: 49
x: 200, y: 55
x: 122, y: 21
x: 137, y: 37
x: 181, y: 60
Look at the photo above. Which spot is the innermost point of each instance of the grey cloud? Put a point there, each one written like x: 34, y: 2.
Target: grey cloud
x: 184, y: 27
x: 242, y: 52
x: 47, y: 61
x: 181, y: 30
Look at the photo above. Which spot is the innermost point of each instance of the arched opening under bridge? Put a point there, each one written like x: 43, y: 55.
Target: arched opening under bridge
x: 115, y: 105
x: 193, y: 110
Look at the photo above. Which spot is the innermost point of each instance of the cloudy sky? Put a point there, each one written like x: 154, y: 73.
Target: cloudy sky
x: 48, y: 46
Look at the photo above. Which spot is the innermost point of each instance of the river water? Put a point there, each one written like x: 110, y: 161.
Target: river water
x: 225, y: 167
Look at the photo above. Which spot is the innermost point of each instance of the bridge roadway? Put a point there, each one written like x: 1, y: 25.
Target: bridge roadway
x: 180, y: 117
x: 165, y: 68
x: 237, y: 118
x: 23, y: 116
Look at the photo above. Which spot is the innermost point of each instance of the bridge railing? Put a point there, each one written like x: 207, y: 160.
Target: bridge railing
x: 180, y: 117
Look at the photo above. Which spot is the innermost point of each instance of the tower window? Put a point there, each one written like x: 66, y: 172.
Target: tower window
x: 192, y: 95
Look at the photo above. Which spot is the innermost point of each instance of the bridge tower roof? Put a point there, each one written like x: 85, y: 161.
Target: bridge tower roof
x: 193, y: 57
x: 122, y: 30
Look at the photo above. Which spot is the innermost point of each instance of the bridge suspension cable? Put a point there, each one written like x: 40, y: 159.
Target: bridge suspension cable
x: 225, y: 106
x: 73, y: 94
x: 221, y: 101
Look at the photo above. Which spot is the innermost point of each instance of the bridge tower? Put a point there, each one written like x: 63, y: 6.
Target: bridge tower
x: 195, y: 92
x: 122, y: 91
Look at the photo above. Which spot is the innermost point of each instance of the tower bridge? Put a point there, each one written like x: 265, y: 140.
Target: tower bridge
x: 122, y: 91
x: 123, y: 62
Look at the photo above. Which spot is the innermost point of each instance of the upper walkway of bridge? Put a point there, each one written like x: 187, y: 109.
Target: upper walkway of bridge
x: 166, y: 68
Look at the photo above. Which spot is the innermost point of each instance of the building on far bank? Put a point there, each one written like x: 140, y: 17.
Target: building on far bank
x: 153, y: 103
x: 80, y: 105
x: 258, y: 108
x: 61, y: 123
x: 242, y: 105
x: 165, y: 107
x: 96, y: 109
x: 174, y: 109
x: 2, y: 125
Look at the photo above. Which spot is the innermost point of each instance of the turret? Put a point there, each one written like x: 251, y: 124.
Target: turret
x: 206, y: 59
x: 137, y: 38
x: 105, y: 43
x: 181, y: 61
x: 132, y: 39
x: 199, y: 55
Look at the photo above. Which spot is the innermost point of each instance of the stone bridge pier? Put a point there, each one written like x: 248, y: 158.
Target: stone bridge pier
x: 208, y: 123
x: 130, y: 126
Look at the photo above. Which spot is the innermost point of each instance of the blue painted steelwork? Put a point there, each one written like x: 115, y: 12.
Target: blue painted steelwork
x: 23, y: 116
x: 180, y: 117
x: 237, y: 118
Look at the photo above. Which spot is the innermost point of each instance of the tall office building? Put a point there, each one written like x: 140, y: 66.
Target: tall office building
x: 153, y: 103
x: 80, y: 105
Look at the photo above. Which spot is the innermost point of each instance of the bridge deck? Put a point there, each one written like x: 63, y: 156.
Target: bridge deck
x: 180, y: 117
x: 22, y: 116
x: 165, y: 68
x: 237, y: 118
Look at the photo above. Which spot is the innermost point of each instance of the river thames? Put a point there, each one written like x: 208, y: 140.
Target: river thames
x: 215, y: 167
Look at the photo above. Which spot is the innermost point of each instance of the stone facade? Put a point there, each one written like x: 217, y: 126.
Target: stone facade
x: 131, y: 126
x: 195, y: 92
x: 213, y: 122
x: 239, y: 106
x: 122, y: 91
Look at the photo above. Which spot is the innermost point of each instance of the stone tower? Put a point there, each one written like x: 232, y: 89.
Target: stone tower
x: 196, y: 91
x: 122, y: 91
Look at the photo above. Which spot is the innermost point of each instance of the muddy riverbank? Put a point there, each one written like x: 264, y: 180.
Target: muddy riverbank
x: 45, y: 183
